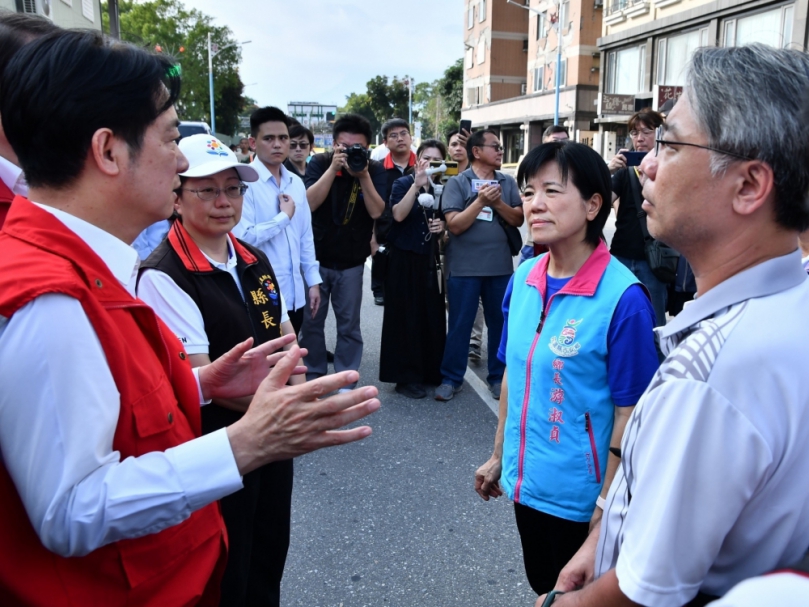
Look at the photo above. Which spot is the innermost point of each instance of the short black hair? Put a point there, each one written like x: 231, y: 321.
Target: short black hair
x: 266, y: 114
x: 394, y: 123
x: 354, y: 124
x: 298, y: 130
x: 554, y: 128
x: 432, y: 143
x: 17, y: 30
x: 477, y: 139
x: 647, y: 117
x: 452, y: 134
x: 62, y: 88
x: 584, y: 167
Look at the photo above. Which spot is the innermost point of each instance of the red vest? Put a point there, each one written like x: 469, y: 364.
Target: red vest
x: 181, y: 565
x: 6, y: 196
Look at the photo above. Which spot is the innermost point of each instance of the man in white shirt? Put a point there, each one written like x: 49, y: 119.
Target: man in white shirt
x: 276, y: 216
x: 712, y: 486
x: 81, y: 476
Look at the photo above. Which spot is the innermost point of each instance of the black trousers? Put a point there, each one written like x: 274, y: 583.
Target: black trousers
x: 548, y: 543
x: 296, y: 318
x: 379, y: 269
x: 257, y: 519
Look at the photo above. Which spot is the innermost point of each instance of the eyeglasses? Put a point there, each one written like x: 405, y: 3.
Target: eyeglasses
x: 496, y: 146
x: 294, y: 145
x: 399, y: 135
x: 660, y: 141
x: 234, y: 192
x: 636, y: 133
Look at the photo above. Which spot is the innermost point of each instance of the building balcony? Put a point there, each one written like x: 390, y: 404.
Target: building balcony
x: 618, y: 10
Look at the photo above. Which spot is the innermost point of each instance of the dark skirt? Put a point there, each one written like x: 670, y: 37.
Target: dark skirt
x: 414, y: 328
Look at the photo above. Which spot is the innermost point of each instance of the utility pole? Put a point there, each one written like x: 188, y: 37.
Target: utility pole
x: 115, y: 23
x: 210, y: 83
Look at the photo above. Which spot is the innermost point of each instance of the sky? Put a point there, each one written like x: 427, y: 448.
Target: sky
x: 323, y: 50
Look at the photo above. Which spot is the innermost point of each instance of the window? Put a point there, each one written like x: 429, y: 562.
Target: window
x: 673, y: 54
x: 542, y: 26
x: 87, y: 9
x: 481, y: 51
x: 564, y: 18
x: 562, y: 75
x: 482, y: 11
x: 539, y: 76
x: 772, y: 27
x: 470, y: 18
x: 625, y: 70
x: 470, y: 58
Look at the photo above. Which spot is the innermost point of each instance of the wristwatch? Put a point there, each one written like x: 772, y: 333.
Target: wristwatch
x: 551, y: 597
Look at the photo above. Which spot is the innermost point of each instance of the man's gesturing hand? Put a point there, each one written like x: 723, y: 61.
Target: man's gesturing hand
x: 286, y: 422
x: 239, y: 371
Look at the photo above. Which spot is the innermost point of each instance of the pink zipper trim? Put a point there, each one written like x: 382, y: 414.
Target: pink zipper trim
x: 593, y: 446
x: 524, y: 416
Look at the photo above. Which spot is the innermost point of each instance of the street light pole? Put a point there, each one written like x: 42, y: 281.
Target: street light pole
x: 558, y: 50
x: 211, y: 54
x: 210, y: 84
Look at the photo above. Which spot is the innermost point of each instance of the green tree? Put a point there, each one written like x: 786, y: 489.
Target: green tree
x: 360, y: 103
x: 166, y: 26
x: 450, y: 89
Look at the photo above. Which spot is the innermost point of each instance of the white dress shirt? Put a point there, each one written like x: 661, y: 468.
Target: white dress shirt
x: 176, y: 308
x: 288, y: 243
x: 13, y: 177
x: 59, y: 410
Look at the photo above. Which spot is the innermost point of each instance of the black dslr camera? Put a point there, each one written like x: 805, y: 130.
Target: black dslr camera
x: 356, y: 157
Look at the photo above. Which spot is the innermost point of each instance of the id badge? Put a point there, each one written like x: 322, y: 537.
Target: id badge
x: 485, y: 214
x: 477, y: 184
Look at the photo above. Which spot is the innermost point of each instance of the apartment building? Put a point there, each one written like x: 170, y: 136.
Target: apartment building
x: 646, y: 44
x: 511, y: 62
x: 65, y: 13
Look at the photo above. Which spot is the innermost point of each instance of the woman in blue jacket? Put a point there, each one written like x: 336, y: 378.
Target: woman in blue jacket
x: 579, y: 352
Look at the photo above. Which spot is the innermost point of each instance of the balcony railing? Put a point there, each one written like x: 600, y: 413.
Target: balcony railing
x: 613, y: 6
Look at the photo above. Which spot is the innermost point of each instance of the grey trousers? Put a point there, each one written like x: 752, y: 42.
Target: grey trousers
x: 344, y: 289
x: 477, y: 329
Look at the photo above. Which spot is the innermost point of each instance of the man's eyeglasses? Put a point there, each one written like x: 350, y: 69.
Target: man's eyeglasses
x: 635, y: 133
x: 399, y: 135
x: 496, y: 146
x: 294, y: 145
x: 234, y: 192
x: 659, y: 141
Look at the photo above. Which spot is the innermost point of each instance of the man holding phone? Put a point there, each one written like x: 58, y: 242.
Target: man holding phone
x: 479, y: 258
x: 628, y: 243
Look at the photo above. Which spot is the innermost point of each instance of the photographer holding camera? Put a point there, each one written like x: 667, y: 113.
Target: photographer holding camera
x: 345, y: 191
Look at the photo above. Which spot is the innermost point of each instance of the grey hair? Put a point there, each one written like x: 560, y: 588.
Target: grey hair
x: 749, y: 100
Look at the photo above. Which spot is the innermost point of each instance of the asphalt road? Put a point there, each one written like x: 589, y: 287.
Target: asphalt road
x: 394, y: 519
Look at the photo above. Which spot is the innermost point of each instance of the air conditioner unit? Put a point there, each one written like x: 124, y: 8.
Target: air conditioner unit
x: 525, y: 46
x: 523, y: 88
x: 38, y: 7
x: 598, y: 4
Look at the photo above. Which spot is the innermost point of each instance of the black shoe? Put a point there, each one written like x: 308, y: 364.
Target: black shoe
x: 411, y: 390
x: 329, y: 357
x: 379, y: 300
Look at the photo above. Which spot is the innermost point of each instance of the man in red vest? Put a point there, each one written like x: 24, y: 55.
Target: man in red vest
x: 16, y: 30
x: 107, y: 491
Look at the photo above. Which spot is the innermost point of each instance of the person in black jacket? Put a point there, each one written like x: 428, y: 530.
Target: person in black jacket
x: 414, y: 326
x: 344, y: 205
x: 215, y: 291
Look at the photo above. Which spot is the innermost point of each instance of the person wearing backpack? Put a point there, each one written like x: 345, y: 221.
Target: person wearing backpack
x: 483, y: 210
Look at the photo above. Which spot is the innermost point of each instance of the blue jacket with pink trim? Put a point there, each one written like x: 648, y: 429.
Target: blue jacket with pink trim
x: 560, y: 411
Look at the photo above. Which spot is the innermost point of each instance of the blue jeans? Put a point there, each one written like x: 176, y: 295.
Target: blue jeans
x: 463, y: 293
x: 640, y: 268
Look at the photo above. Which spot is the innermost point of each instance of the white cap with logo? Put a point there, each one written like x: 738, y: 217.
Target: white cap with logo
x: 208, y: 156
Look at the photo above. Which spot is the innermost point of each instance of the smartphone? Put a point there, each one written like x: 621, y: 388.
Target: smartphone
x: 452, y: 167
x: 633, y: 159
x: 466, y: 125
